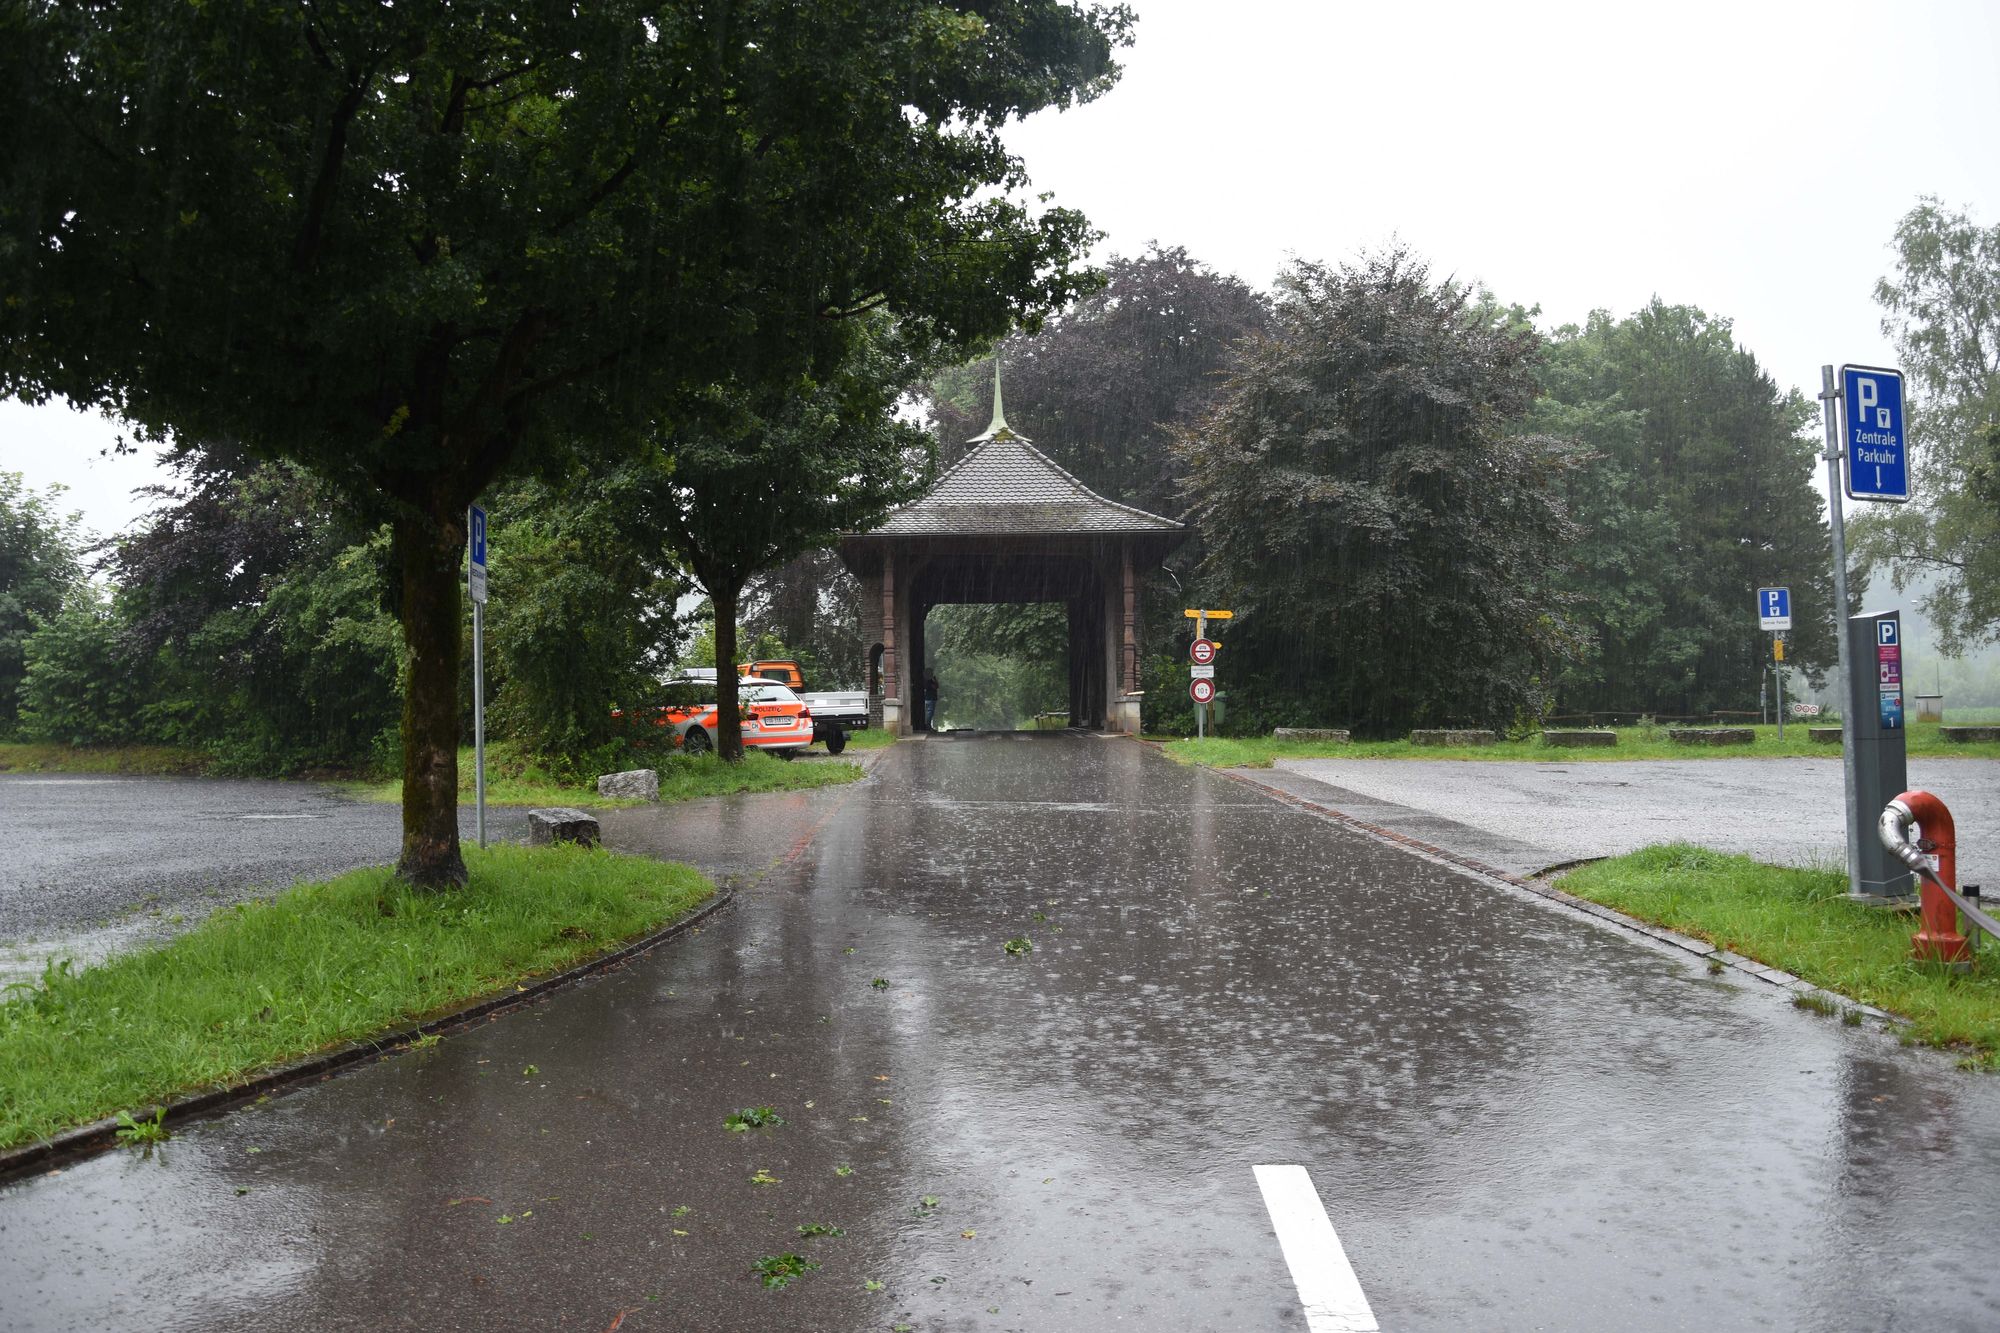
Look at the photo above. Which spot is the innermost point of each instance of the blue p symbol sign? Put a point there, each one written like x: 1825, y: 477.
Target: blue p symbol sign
x: 1885, y: 633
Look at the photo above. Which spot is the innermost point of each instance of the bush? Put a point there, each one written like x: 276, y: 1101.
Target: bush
x: 78, y: 688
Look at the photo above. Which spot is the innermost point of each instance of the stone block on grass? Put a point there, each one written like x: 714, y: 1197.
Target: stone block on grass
x: 1823, y: 735
x: 561, y: 823
x: 637, y: 784
x: 1968, y: 735
x: 1335, y: 734
x: 1580, y: 738
x: 1452, y: 738
x: 1712, y: 735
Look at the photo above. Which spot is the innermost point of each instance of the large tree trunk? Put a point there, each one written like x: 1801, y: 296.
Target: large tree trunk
x: 722, y: 593
x: 429, y: 551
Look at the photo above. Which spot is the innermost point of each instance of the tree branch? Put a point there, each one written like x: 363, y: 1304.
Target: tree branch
x: 306, y: 250
x: 849, y: 312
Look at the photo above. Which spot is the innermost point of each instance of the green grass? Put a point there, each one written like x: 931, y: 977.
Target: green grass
x: 1633, y: 743
x: 1800, y: 921
x: 22, y: 757
x: 682, y: 778
x: 870, y: 738
x: 322, y: 963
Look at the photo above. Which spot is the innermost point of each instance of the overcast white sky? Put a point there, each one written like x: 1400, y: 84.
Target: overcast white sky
x: 1748, y: 158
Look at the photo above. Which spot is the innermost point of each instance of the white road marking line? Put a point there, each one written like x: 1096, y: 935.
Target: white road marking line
x: 1327, y: 1286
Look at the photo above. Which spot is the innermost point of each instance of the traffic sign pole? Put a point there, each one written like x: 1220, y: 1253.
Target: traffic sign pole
x: 1202, y: 652
x: 1829, y: 399
x: 475, y: 574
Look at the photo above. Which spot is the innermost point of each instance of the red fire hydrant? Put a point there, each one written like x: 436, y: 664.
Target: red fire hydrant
x: 1939, y: 940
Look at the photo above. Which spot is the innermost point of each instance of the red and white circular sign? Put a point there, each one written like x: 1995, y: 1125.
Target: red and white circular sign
x: 1201, y: 691
x: 1202, y: 651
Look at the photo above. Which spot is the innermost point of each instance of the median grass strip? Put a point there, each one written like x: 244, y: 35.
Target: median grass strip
x: 1922, y: 740
x: 682, y: 778
x: 22, y: 757
x: 1800, y: 921
x: 323, y: 963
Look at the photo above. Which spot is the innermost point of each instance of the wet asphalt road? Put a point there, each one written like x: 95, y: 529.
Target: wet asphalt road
x: 83, y: 849
x: 1526, y: 817
x: 1517, y: 1118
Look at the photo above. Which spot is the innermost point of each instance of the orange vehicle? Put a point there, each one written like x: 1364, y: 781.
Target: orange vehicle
x: 774, y: 717
x: 783, y: 670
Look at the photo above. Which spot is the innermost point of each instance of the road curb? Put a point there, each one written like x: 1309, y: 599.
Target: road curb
x: 88, y: 1140
x: 1749, y: 967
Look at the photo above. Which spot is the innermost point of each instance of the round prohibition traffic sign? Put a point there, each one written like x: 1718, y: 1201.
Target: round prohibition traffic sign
x: 1201, y: 652
x: 1201, y: 691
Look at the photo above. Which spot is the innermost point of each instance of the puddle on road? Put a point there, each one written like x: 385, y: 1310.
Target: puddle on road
x: 22, y: 962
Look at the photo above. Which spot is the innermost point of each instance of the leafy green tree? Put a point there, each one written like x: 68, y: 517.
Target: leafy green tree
x: 768, y: 473
x: 260, y: 615
x: 1382, y: 532
x: 812, y: 606
x: 418, y: 248
x: 1698, y: 491
x: 39, y: 565
x: 581, y: 617
x: 1101, y: 386
x: 1943, y: 308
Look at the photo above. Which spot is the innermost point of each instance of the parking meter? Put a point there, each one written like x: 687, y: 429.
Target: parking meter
x: 1874, y: 722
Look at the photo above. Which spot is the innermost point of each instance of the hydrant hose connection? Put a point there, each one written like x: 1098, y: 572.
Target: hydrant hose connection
x: 1938, y: 940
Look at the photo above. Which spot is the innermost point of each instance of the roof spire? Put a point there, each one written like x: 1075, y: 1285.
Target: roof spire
x: 998, y: 429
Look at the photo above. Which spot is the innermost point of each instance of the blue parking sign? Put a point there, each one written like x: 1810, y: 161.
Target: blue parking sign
x: 1774, y: 608
x: 1874, y: 448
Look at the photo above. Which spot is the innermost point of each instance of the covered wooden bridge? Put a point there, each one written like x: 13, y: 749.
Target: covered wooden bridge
x: 1005, y: 524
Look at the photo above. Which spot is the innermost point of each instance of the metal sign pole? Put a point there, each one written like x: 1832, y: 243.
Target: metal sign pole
x: 479, y: 718
x: 1829, y: 397
x: 1201, y: 710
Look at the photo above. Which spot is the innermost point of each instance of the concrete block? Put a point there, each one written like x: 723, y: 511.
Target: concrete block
x: 637, y: 784
x: 561, y: 824
x: 1967, y: 735
x: 1823, y: 735
x: 1452, y: 738
x: 1712, y: 735
x: 1338, y: 735
x: 1584, y: 738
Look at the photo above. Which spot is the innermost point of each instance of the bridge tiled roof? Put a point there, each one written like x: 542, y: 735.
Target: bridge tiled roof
x: 1006, y: 486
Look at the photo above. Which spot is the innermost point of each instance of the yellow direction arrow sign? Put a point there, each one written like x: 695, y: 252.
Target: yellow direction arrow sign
x: 1201, y: 619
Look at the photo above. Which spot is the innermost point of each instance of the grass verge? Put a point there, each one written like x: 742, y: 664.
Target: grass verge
x: 1800, y: 921
x: 1922, y: 740
x: 682, y: 778
x: 21, y: 757
x: 871, y: 738
x: 322, y: 963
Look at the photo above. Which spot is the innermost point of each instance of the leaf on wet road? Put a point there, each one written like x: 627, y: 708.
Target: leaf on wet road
x: 752, y: 1117
x: 776, y: 1271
